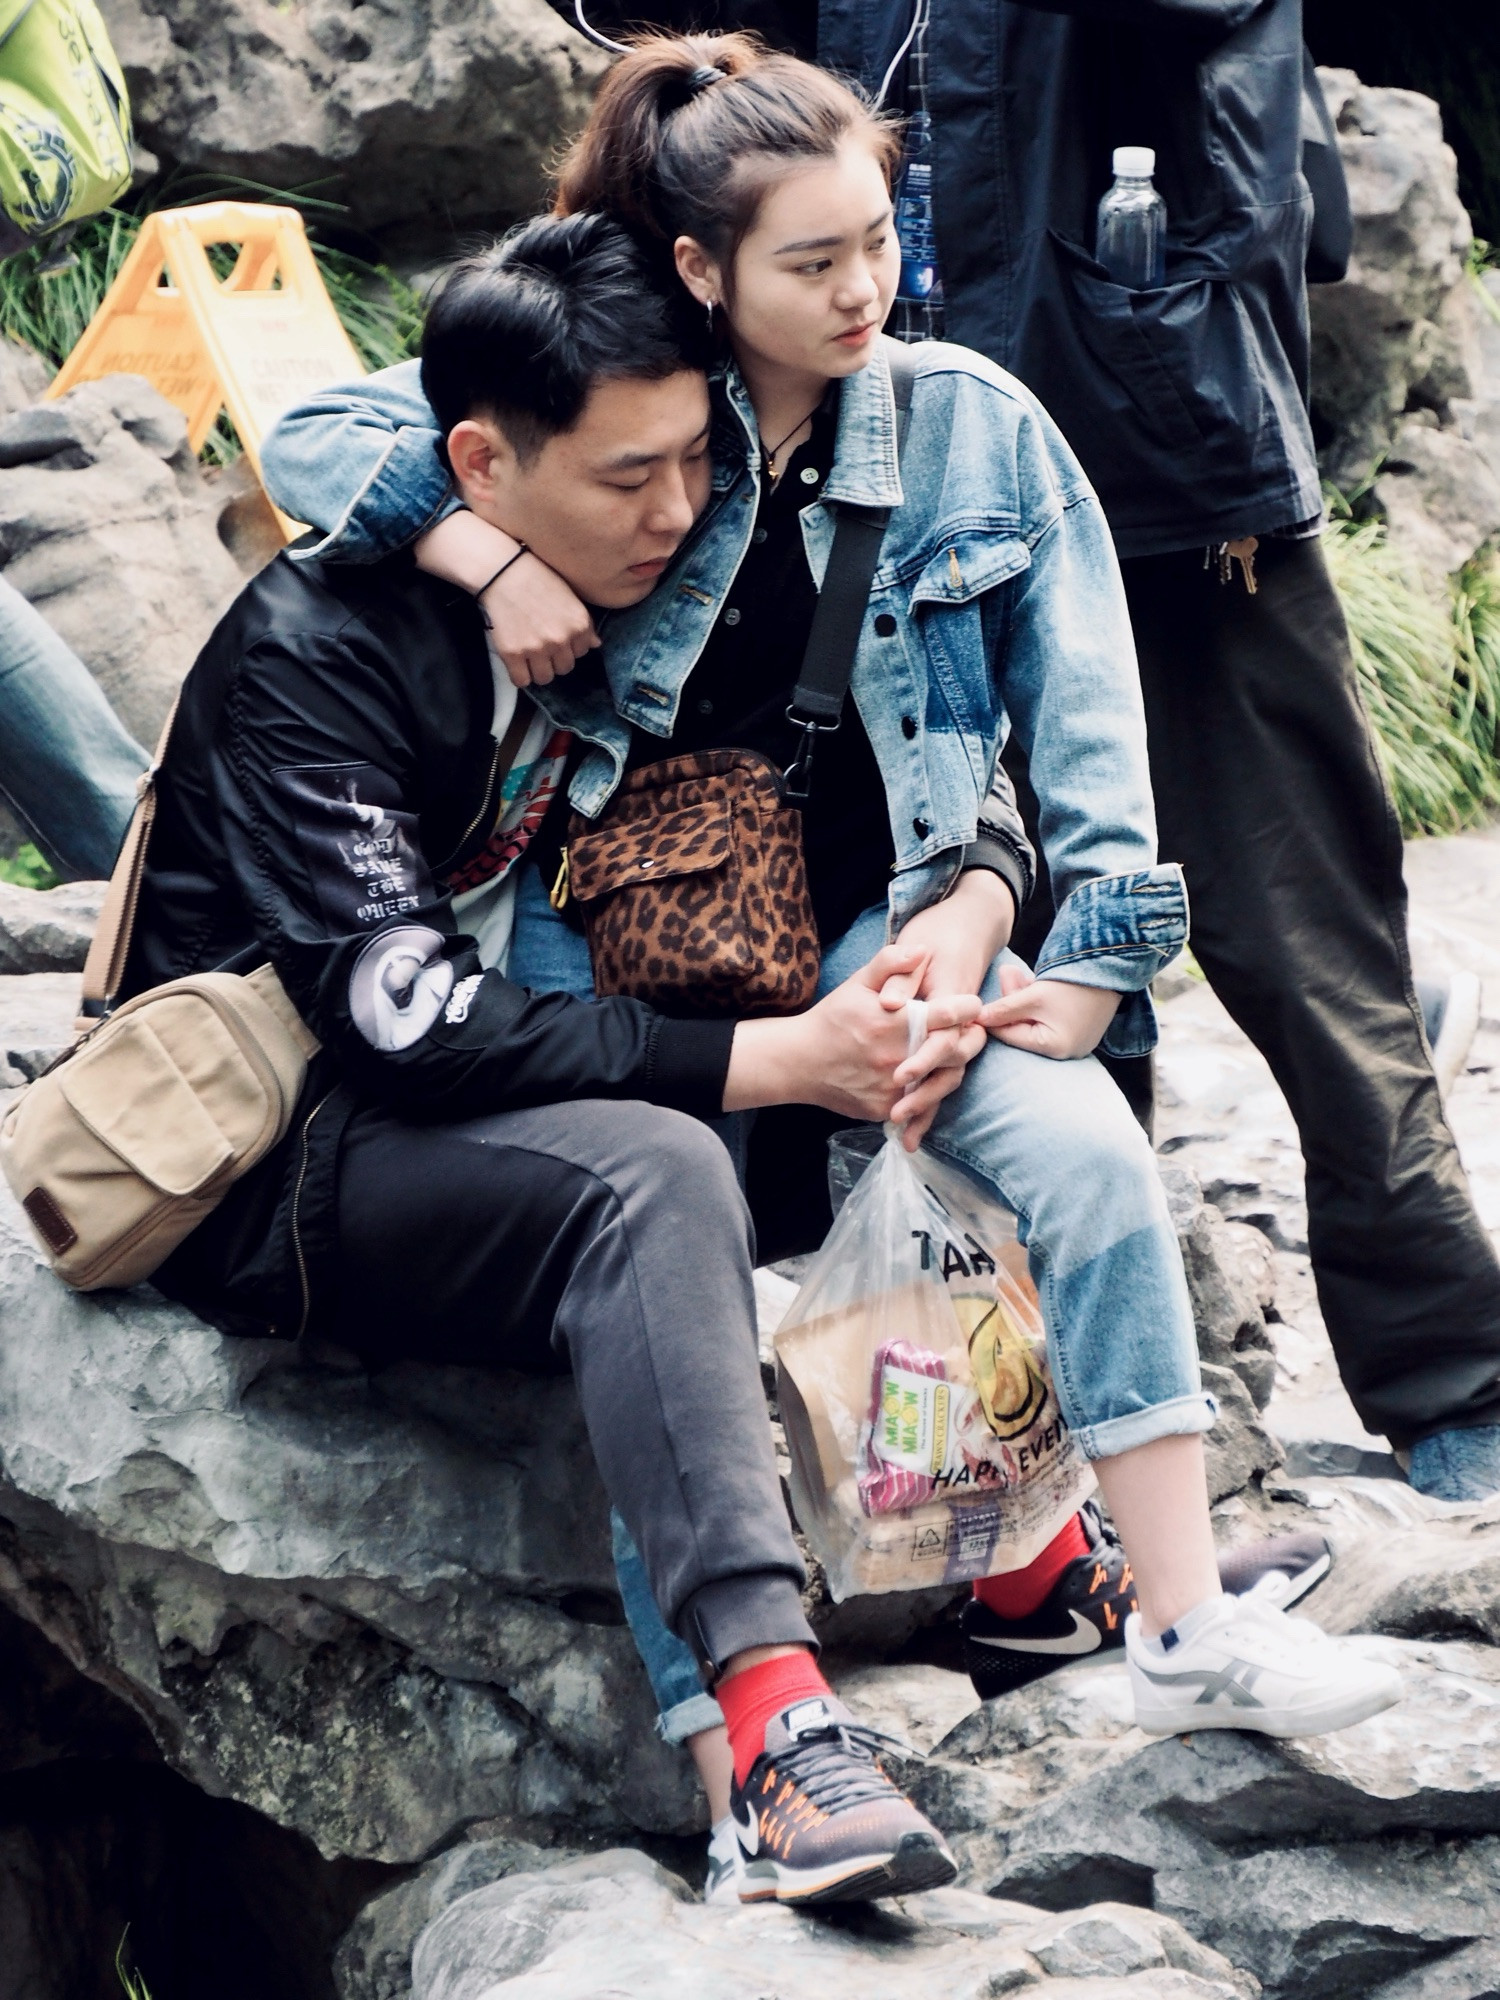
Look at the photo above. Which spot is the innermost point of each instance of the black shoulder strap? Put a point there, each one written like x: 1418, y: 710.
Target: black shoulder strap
x: 818, y: 698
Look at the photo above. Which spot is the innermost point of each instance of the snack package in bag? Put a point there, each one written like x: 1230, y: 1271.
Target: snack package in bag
x: 926, y: 1442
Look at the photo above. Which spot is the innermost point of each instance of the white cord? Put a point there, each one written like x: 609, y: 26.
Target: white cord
x: 918, y: 16
x: 916, y: 1026
x: 603, y: 41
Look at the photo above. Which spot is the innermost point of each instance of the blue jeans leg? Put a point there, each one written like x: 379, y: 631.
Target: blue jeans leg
x: 684, y: 1707
x: 548, y: 956
x: 1057, y: 1142
x: 68, y: 766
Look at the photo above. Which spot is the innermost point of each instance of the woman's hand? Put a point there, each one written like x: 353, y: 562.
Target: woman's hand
x: 538, y: 627
x: 1050, y: 1017
x: 962, y: 936
x: 849, y: 1052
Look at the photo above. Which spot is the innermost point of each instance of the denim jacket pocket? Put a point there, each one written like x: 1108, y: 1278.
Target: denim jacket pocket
x: 1118, y: 932
x: 968, y: 563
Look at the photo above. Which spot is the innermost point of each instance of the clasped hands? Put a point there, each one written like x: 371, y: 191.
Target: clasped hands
x: 849, y: 1053
x: 960, y: 938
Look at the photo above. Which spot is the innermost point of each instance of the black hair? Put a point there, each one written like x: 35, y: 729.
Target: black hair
x: 522, y: 330
x: 688, y: 132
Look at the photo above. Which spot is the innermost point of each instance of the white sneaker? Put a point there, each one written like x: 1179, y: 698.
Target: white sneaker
x: 726, y: 1864
x: 1242, y: 1664
x: 1450, y: 1015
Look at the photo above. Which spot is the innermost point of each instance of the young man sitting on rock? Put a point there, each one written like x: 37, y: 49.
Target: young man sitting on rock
x: 482, y: 1175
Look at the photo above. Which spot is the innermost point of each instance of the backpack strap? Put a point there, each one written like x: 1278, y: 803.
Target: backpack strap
x: 822, y: 685
x: 104, y: 968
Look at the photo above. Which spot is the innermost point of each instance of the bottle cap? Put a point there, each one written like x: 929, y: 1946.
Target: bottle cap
x: 1135, y: 162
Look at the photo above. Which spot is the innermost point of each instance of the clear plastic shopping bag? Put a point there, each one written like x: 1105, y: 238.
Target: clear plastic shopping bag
x: 925, y: 1437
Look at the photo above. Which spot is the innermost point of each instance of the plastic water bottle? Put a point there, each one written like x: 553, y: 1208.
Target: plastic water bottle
x: 1132, y: 239
x: 914, y: 226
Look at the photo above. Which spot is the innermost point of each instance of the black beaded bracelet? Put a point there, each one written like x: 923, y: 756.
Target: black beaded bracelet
x: 479, y: 594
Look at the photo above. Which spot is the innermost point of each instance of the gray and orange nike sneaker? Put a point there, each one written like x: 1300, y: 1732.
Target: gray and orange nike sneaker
x: 1084, y: 1614
x: 818, y: 1820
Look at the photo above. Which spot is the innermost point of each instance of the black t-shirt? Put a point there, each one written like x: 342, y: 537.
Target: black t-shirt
x: 737, y: 695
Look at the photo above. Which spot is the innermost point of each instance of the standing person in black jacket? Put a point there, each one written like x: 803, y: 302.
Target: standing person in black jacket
x: 1188, y: 408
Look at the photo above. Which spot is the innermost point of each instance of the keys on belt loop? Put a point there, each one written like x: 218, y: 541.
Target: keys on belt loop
x: 1241, y: 551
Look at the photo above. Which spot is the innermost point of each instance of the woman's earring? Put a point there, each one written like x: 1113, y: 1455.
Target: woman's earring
x: 708, y: 307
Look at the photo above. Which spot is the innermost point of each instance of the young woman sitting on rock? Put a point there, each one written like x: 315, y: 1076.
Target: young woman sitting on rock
x: 996, y: 605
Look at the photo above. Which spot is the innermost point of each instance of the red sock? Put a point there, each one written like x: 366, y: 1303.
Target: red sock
x: 1020, y: 1591
x: 751, y: 1698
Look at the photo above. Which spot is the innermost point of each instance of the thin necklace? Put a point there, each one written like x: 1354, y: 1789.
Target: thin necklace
x: 775, y: 452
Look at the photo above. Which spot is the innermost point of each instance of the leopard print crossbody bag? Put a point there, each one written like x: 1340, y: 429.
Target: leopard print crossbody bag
x: 692, y: 884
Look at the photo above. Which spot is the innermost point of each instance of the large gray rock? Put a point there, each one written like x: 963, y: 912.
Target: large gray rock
x: 418, y: 115
x: 1437, y: 1579
x: 109, y: 528
x: 1282, y: 1855
x: 539, y: 1937
x: 37, y: 1011
x: 1231, y: 1282
x: 367, y: 1608
x: 1387, y: 336
x: 373, y: 1960
x: 1439, y: 494
x: 47, y: 930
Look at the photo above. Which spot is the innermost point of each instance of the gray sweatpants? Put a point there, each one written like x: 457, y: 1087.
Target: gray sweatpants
x: 609, y: 1238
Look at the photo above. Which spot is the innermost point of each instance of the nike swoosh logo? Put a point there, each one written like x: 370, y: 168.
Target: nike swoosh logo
x: 1084, y: 1638
x: 748, y: 1836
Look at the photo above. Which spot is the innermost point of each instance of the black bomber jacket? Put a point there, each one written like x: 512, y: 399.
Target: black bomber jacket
x: 331, y: 762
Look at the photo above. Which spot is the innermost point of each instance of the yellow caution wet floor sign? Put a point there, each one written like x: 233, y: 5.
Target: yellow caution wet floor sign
x: 252, y: 343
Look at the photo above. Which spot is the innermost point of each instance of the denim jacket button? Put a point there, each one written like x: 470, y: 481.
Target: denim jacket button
x: 885, y: 626
x: 920, y: 828
x: 908, y: 726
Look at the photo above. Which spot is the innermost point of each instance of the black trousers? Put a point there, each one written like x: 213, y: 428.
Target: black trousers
x: 612, y: 1240
x: 1270, y: 794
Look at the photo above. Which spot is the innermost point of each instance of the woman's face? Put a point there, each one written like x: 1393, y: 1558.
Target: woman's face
x: 816, y: 273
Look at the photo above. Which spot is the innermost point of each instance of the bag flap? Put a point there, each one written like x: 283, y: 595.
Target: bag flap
x: 134, y: 1099
x: 690, y: 841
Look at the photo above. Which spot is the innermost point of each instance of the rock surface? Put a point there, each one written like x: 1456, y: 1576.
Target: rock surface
x: 1387, y: 337
x: 108, y: 526
x: 47, y: 930
x: 536, y: 1935
x: 1404, y: 379
x: 1325, y: 1867
x: 366, y: 1608
x: 420, y: 116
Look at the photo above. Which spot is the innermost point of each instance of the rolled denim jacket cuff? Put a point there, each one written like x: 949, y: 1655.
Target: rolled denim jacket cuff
x: 410, y: 479
x: 1117, y: 932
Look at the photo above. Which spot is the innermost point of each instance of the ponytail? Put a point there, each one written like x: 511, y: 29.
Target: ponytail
x: 687, y: 133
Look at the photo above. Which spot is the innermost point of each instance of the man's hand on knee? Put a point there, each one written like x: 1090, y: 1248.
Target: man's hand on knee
x: 1049, y: 1017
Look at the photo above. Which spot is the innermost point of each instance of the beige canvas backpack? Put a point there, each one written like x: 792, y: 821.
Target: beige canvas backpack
x: 121, y: 1148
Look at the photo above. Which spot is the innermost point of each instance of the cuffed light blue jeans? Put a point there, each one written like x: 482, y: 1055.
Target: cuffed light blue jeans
x: 1058, y: 1144
x: 68, y: 765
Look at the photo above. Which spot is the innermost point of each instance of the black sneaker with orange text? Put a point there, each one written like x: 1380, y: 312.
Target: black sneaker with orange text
x: 818, y: 1820
x: 1084, y: 1614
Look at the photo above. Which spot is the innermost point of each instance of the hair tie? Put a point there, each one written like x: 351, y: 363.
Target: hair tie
x: 703, y: 76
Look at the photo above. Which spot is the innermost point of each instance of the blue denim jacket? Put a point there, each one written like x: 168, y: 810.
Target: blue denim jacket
x: 997, y: 605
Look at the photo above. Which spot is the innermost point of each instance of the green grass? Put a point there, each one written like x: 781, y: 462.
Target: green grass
x: 1429, y: 668
x: 49, y: 310
x: 135, y: 1987
x: 27, y: 869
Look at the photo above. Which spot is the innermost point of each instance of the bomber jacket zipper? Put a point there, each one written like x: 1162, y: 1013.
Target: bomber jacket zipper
x: 296, y: 1219
x: 484, y: 806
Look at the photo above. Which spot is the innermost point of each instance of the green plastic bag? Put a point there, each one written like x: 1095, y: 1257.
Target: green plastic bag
x: 64, y: 119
